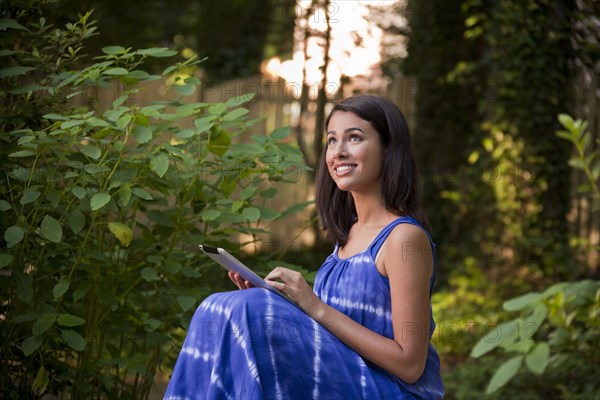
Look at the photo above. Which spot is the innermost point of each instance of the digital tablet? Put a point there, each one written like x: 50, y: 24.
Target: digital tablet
x: 230, y: 263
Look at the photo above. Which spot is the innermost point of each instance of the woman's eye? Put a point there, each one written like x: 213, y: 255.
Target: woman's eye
x: 354, y: 138
x: 330, y: 141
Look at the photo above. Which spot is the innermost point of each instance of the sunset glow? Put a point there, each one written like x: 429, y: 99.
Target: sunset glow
x: 354, y: 47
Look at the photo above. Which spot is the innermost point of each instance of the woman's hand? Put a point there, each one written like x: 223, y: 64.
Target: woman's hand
x: 294, y: 286
x: 239, y: 282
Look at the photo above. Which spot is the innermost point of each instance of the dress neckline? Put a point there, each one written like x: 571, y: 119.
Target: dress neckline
x: 375, y: 239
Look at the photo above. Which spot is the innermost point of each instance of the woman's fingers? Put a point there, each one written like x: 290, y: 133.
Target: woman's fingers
x: 239, y: 281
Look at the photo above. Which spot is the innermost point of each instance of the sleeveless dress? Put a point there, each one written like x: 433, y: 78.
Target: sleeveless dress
x: 254, y: 344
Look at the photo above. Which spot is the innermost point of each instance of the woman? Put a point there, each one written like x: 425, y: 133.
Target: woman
x: 365, y: 330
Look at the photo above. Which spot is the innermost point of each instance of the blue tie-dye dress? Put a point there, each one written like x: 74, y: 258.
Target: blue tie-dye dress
x: 254, y: 344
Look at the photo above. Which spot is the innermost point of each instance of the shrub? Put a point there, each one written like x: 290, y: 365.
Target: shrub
x: 557, y: 331
x: 102, y: 212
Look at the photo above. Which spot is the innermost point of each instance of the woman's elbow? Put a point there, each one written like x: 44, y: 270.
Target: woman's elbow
x: 412, y: 374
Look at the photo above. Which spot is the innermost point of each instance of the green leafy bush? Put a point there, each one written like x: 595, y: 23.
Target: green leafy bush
x: 557, y: 329
x: 102, y: 211
x: 554, y: 328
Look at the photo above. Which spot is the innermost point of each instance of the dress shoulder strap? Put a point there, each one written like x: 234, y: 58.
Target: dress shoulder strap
x: 385, y: 232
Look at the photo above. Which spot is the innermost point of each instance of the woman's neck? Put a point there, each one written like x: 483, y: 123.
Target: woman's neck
x: 370, y: 209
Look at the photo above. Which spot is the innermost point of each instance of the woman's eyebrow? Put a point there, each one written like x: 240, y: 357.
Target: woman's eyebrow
x: 353, y: 129
x: 347, y: 130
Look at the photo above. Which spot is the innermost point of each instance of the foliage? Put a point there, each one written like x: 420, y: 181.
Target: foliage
x: 576, y: 132
x: 446, y: 111
x: 491, y: 76
x: 526, y: 70
x: 463, y: 312
x: 564, y: 317
x: 32, y: 47
x: 248, y: 31
x: 102, y: 211
x: 572, y: 380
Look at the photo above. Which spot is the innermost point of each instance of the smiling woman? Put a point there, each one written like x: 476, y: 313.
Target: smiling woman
x: 354, y: 153
x: 364, y: 331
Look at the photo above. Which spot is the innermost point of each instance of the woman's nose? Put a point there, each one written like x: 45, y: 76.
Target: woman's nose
x: 339, y: 151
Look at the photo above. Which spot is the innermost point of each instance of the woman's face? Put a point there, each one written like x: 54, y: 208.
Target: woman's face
x: 354, y: 153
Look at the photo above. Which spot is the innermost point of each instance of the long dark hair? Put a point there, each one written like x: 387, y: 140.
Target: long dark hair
x: 400, y: 176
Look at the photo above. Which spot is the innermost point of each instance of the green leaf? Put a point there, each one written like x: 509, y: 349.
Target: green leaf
x: 31, y: 344
x: 157, y: 52
x: 99, y: 200
x: 235, y: 114
x: 141, y: 193
x: 149, y: 274
x: 97, y: 122
x: 566, y: 121
x: 252, y: 214
x: 123, y: 121
x: 296, y: 208
x: 71, y: 123
x: 5, y: 259
x: 56, y: 117
x: 142, y: 134
x: 281, y: 133
x: 237, y: 205
x: 4, y: 205
x: 22, y: 154
x: 43, y: 323
x: 113, y: 50
x: 7, y: 23
x: 13, y: 235
x: 210, y: 215
x: 565, y: 135
x: 91, y: 151
x: 121, y: 232
x: 60, y: 289
x: 185, y: 133
x: 118, y: 71
x: 268, y: 213
x: 124, y: 195
x: 501, y: 335
x: 533, y: 321
x: 203, y: 124
x: 78, y: 191
x: 504, y: 374
x: 159, y: 163
x: 185, y: 90
x: 51, y: 229
x: 76, y: 221
x: 537, y: 360
x: 238, y: 100
x: 14, y: 71
x: 577, y: 163
x: 29, y: 196
x: 219, y: 143
x: 519, y: 303
x: 217, y: 108
x: 69, y: 320
x: 73, y: 339
x: 120, y: 100
x: 40, y: 383
x: 248, y: 192
x: 186, y: 302
x: 269, y: 193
